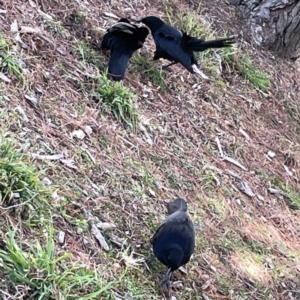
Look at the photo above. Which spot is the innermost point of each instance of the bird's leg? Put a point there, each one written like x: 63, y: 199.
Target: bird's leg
x: 169, y: 65
x: 96, y: 46
x: 166, y: 280
x: 149, y: 261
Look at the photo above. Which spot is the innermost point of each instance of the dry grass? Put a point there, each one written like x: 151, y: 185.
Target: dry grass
x: 247, y: 248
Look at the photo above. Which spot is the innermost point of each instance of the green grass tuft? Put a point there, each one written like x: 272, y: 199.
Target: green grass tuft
x: 143, y: 64
x: 292, y: 196
x: 44, y: 275
x: 243, y: 64
x: 117, y: 98
x: 112, y: 95
x: 89, y: 56
x: 19, y: 180
x: 8, y: 63
x: 78, y: 17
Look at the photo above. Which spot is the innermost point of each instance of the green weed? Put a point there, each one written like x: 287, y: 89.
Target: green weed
x: 117, y: 98
x: 89, y: 56
x: 19, y: 180
x: 144, y: 65
x: 56, y: 29
x: 112, y: 95
x: 293, y: 108
x: 292, y: 197
x: 78, y: 17
x: 46, y: 275
x: 8, y: 63
x: 188, y: 23
x: 244, y: 65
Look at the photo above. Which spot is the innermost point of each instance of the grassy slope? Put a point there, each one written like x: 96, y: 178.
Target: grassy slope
x: 247, y: 248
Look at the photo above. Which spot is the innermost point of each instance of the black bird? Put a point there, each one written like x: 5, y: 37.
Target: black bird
x: 176, y: 46
x: 174, y: 240
x: 122, y: 39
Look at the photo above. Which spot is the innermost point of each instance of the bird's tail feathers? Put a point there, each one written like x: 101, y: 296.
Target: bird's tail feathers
x: 194, y: 44
x: 117, y: 64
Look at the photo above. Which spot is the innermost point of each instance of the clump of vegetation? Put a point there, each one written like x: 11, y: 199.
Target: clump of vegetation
x: 89, y: 56
x: 43, y: 274
x: 117, y: 98
x: 112, y: 95
x: 291, y: 196
x: 77, y: 17
x: 8, y: 63
x: 19, y: 180
x: 243, y: 64
x: 143, y: 64
x: 188, y: 23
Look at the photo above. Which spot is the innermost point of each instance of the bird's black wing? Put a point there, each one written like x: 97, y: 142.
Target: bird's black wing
x: 123, y: 27
x: 169, y: 42
x: 177, y: 218
x: 105, y: 44
x: 122, y: 39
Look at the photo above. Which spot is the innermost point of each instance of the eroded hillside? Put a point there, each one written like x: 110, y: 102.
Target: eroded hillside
x: 71, y: 159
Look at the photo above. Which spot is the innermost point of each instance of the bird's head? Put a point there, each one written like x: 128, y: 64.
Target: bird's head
x: 152, y: 22
x: 143, y: 33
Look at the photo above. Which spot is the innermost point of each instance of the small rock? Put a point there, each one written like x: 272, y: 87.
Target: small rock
x: 271, y: 154
x: 69, y: 163
x: 47, y: 181
x: 177, y: 285
x: 276, y: 191
x: 158, y: 184
x: 116, y: 240
x: 99, y: 237
x: 105, y: 225
x: 33, y: 99
x: 205, y: 297
x: 261, y: 198
x: 61, y: 237
x: 290, y: 173
x: 79, y: 230
x: 14, y: 27
x: 32, y: 4
x: 116, y: 266
x: 111, y: 15
x: 183, y: 270
x: 151, y: 192
x: 55, y: 197
x: 22, y: 113
x: 88, y: 129
x: 79, y: 134
x: 4, y: 77
x: 245, y: 188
